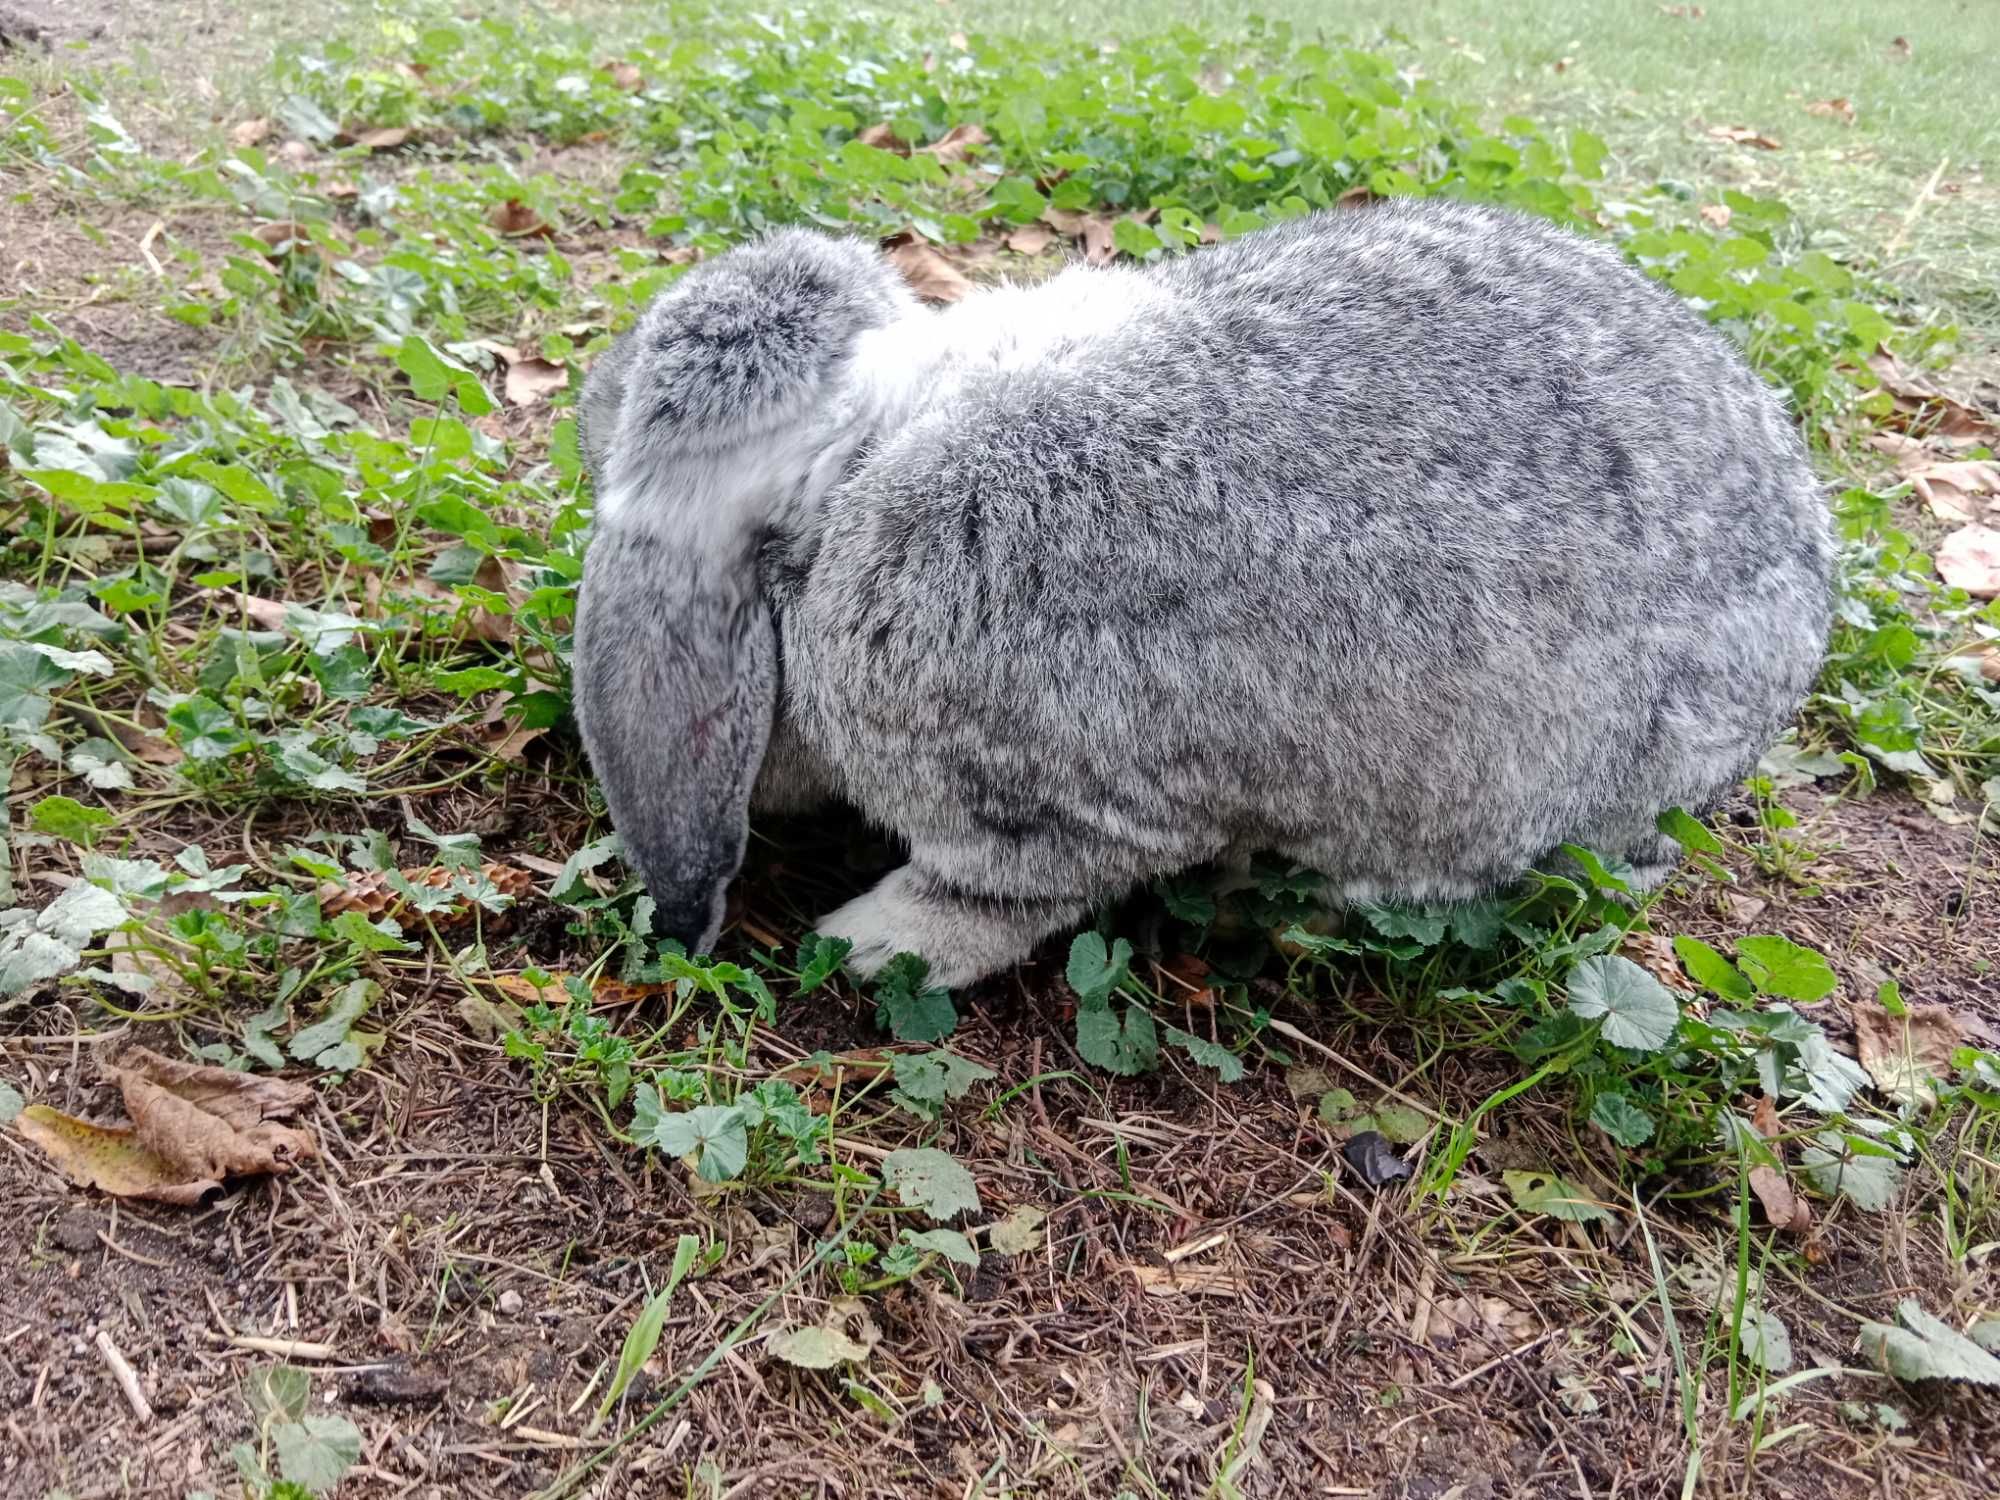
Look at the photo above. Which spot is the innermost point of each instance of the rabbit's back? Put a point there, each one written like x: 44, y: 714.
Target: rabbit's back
x: 1412, y: 541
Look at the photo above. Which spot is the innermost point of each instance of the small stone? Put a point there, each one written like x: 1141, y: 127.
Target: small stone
x: 510, y: 1302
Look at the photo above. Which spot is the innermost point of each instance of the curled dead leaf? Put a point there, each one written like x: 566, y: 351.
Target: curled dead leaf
x: 625, y: 76
x: 1488, y: 1319
x: 1783, y: 1208
x: 883, y: 137
x: 1922, y: 408
x: 1716, y: 215
x: 928, y: 273
x: 1100, y: 244
x: 266, y: 614
x: 248, y: 133
x: 1832, y: 109
x: 296, y: 154
x: 1030, y: 239
x: 1743, y: 135
x: 1764, y: 1118
x: 1904, y: 1054
x: 383, y: 138
x: 284, y: 236
x: 190, y: 1127
x: 373, y: 897
x: 606, y: 993
x: 956, y: 142
x: 1969, y: 559
x: 1952, y: 491
x: 529, y: 380
x: 516, y: 220
x: 1899, y: 47
x: 1654, y: 952
x: 1683, y: 12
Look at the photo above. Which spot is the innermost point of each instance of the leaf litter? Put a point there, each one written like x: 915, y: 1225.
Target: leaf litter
x: 191, y: 1127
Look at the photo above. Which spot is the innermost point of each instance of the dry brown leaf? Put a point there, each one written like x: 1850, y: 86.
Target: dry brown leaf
x: 249, y: 132
x: 1030, y: 239
x: 1716, y: 215
x: 152, y: 747
x: 1921, y: 407
x: 1899, y: 47
x: 266, y: 613
x: 1764, y: 1118
x: 605, y: 992
x: 529, y: 380
x: 1969, y: 559
x: 372, y: 896
x: 1832, y: 109
x: 1562, y: 64
x: 1683, y: 12
x: 625, y: 76
x: 1784, y: 1208
x: 496, y: 577
x: 283, y: 234
x: 1100, y: 247
x: 383, y: 138
x: 1952, y: 490
x: 1360, y: 193
x: 1904, y: 1053
x: 1654, y: 952
x: 884, y: 138
x: 1743, y: 135
x: 296, y: 154
x: 191, y: 1127
x: 929, y: 274
x: 956, y: 142
x: 516, y: 220
x: 511, y: 747
x: 1489, y: 1319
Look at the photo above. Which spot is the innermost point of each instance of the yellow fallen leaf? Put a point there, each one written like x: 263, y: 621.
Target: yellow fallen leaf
x: 191, y: 1127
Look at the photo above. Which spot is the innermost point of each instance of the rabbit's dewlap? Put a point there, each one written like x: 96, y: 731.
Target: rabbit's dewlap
x: 1407, y: 544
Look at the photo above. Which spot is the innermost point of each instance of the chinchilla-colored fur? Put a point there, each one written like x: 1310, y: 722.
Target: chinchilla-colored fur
x: 1407, y: 543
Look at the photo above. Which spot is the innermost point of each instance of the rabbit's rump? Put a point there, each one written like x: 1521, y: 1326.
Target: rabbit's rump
x: 1409, y: 542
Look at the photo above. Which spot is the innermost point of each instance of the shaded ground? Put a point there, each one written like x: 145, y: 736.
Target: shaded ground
x: 1218, y: 1292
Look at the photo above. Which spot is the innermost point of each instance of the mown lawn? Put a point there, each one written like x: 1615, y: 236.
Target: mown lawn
x: 1561, y: 1194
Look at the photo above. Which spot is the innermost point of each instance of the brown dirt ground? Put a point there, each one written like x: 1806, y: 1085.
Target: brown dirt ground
x: 463, y: 1242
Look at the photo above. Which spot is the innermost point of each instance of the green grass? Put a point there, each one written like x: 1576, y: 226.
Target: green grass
x: 1652, y: 84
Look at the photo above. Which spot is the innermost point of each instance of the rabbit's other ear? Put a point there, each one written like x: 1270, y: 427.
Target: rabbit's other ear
x: 598, y: 408
x: 742, y: 345
x: 676, y: 690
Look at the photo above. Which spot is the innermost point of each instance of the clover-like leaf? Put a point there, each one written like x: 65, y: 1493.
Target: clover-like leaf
x: 1780, y: 967
x: 1927, y: 1349
x: 929, y: 1179
x: 1637, y: 1010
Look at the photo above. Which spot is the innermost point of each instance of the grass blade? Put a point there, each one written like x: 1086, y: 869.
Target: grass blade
x: 645, y: 1335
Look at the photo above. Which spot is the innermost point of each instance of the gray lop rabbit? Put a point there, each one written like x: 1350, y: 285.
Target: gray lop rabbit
x: 1408, y: 543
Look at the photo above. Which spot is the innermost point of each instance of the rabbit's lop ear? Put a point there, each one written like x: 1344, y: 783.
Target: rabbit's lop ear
x: 699, y: 429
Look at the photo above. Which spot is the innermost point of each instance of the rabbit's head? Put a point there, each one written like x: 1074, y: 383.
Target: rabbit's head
x: 704, y: 429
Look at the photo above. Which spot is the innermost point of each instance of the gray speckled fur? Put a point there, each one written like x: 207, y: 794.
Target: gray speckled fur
x: 1408, y: 543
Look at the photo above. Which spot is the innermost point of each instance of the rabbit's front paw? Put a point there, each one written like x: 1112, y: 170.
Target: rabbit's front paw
x: 961, y: 937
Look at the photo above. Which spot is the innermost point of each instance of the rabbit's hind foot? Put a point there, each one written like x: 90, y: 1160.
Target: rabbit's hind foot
x: 962, y: 934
